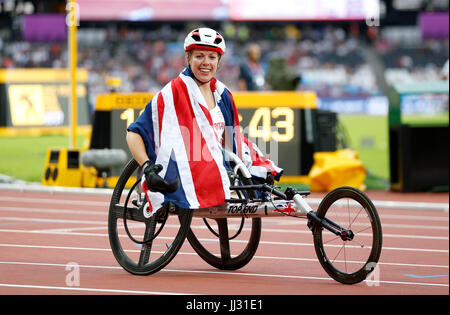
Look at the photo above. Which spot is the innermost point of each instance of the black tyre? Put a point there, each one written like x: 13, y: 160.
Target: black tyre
x: 349, y: 261
x: 229, y: 252
x: 142, y: 245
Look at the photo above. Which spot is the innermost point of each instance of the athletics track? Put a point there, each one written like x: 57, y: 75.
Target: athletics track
x: 45, y: 233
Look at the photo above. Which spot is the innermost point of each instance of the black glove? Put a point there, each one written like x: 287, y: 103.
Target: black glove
x: 155, y: 182
x: 269, y: 179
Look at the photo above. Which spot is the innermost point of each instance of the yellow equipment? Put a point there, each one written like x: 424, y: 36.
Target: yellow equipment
x: 334, y: 169
x: 62, y: 168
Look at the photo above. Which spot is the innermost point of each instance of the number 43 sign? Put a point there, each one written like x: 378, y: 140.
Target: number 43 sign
x: 264, y: 118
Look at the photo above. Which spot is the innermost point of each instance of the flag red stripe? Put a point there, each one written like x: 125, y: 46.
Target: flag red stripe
x: 205, y: 173
x: 160, y: 112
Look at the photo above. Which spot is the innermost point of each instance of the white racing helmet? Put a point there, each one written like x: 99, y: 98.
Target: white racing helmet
x: 205, y: 38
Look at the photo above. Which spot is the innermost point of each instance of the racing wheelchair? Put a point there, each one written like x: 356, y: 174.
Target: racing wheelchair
x: 346, y: 228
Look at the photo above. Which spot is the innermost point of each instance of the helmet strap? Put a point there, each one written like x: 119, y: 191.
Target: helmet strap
x: 201, y: 82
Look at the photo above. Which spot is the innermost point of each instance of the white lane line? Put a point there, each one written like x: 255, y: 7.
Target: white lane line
x: 303, y: 277
x: 78, y: 232
x: 54, y: 200
x: 266, y: 229
x: 267, y: 220
x: 38, y: 201
x: 385, y: 235
x: 195, y: 254
x: 414, y: 226
x: 31, y: 187
x: 239, y: 241
x: 405, y: 205
x: 75, y: 230
x: 398, y: 205
x: 233, y: 241
x: 256, y: 256
x: 43, y: 287
x: 356, y: 262
x: 45, y: 220
x: 56, y: 247
x: 235, y: 273
x: 54, y: 211
x: 381, y: 204
x: 404, y: 217
x: 384, y: 225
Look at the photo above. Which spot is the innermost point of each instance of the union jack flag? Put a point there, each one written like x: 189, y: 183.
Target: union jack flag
x: 178, y: 133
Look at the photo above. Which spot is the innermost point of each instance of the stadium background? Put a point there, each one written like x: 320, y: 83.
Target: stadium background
x: 350, y: 62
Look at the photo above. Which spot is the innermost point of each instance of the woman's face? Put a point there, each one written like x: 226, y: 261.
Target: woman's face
x: 203, y: 64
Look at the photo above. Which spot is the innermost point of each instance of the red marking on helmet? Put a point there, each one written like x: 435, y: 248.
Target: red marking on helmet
x: 202, y: 47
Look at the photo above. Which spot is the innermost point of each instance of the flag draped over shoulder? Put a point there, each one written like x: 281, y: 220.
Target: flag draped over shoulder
x: 178, y: 133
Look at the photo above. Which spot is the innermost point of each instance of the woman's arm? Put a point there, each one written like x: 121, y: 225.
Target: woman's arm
x: 137, y: 147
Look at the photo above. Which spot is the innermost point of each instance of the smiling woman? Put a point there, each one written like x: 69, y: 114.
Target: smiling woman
x: 203, y: 64
x: 203, y: 48
x: 184, y: 129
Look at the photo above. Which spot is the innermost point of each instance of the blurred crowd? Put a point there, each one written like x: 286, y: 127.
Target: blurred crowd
x: 330, y: 60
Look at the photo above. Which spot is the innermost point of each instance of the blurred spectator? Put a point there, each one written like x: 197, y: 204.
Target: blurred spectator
x: 444, y: 71
x: 251, y: 75
x: 331, y: 60
x: 280, y: 77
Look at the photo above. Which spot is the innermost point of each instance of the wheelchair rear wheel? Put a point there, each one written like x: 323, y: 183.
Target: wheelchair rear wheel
x: 227, y: 251
x: 143, y: 245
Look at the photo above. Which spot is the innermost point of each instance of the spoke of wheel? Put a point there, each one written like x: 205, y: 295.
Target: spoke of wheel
x: 337, y: 254
x: 369, y: 227
x: 147, y: 247
x: 357, y: 215
x: 356, y: 233
x: 359, y: 244
x: 331, y: 240
x: 348, y: 211
x: 345, y: 258
x: 224, y: 240
x: 336, y: 216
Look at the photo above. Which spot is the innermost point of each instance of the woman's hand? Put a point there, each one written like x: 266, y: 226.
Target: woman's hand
x: 155, y: 182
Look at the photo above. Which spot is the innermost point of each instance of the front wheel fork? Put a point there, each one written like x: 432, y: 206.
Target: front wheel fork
x: 314, y: 222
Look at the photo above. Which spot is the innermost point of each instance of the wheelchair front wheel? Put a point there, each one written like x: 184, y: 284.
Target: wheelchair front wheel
x: 348, y: 261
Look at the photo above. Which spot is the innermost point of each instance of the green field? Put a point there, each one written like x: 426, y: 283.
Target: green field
x: 422, y: 120
x: 24, y: 157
